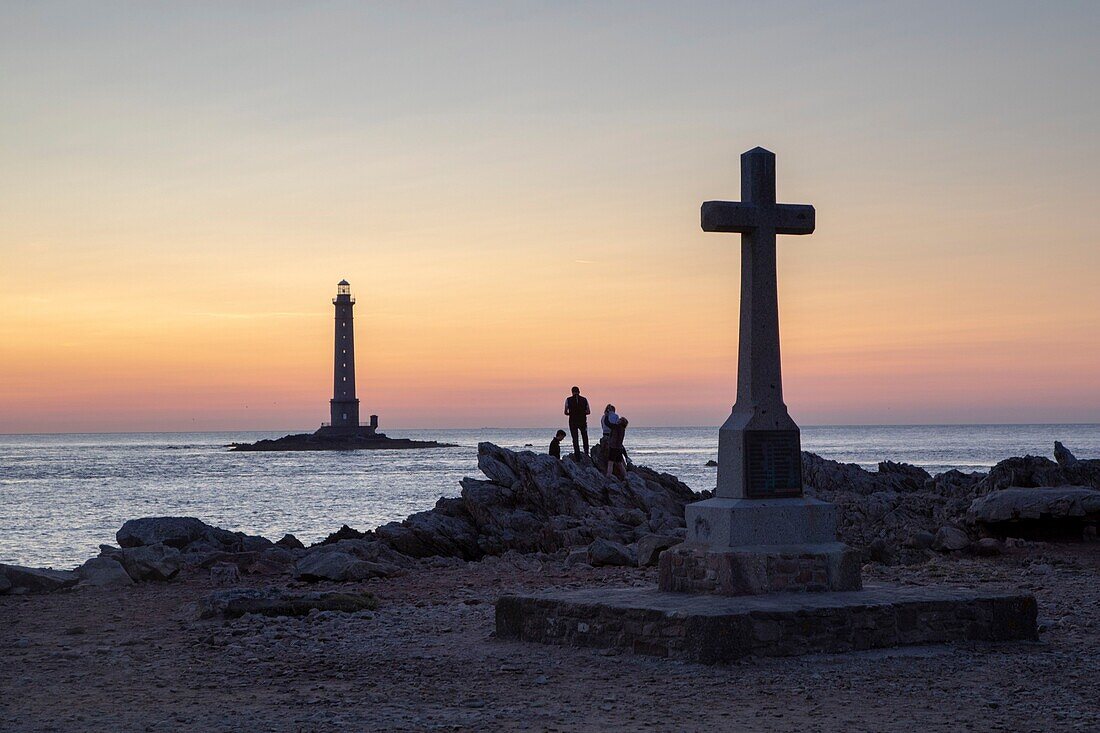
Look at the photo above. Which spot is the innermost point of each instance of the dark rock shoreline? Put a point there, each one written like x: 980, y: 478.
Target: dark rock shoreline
x: 313, y: 441
x: 535, y: 504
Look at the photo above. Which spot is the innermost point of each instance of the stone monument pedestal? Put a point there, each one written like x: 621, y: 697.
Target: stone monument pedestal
x: 752, y: 546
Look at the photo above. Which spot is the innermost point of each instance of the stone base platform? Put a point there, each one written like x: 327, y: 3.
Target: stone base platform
x: 714, y: 628
x: 694, y: 568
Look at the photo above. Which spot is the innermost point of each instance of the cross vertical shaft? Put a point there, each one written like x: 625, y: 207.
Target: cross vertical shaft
x: 759, y: 451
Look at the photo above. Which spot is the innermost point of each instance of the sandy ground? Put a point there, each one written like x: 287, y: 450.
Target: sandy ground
x: 124, y: 660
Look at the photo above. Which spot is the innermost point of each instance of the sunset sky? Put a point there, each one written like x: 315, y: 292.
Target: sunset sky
x: 513, y: 191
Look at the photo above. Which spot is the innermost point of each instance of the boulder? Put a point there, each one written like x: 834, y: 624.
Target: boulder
x: 605, y: 552
x: 236, y: 602
x: 104, y: 572
x: 951, y: 539
x: 1051, y: 512
x: 987, y: 547
x: 341, y: 567
x: 36, y: 580
x: 1025, y: 471
x: 175, y: 532
x: 290, y: 542
x: 225, y: 574
x: 344, y: 533
x: 1063, y: 456
x: 187, y: 534
x: 1050, y: 502
x: 920, y: 540
x: 578, y: 556
x: 146, y: 563
x: 650, y: 547
x: 879, y: 551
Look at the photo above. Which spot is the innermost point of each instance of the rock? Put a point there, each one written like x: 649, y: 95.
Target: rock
x: 290, y: 542
x: 951, y: 539
x: 145, y: 563
x: 341, y: 567
x: 344, y: 533
x: 175, y: 532
x: 712, y: 463
x: 920, y: 540
x: 987, y: 547
x: 605, y: 552
x: 5, y: 584
x: 237, y: 602
x: 879, y: 551
x: 1026, y: 471
x: 104, y: 572
x: 1047, y: 512
x: 577, y: 557
x: 187, y: 534
x: 651, y: 545
x: 903, y: 476
x: 36, y: 580
x: 225, y: 574
x: 1063, y: 456
x: 1035, y: 503
x: 536, y: 503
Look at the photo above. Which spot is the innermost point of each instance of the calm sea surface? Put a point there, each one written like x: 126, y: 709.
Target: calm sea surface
x: 62, y: 495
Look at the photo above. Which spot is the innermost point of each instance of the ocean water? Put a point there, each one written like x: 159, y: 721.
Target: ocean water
x: 63, y: 495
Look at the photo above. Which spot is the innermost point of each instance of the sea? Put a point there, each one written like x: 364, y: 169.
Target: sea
x: 62, y: 495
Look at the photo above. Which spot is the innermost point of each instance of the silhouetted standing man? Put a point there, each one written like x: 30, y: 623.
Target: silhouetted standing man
x: 576, y: 407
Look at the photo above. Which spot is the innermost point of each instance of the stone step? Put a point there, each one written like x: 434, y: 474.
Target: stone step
x: 712, y: 629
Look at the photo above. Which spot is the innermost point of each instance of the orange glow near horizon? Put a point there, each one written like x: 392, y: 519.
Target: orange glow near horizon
x: 175, y: 223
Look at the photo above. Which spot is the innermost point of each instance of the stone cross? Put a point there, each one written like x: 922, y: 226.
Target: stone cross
x: 759, y: 450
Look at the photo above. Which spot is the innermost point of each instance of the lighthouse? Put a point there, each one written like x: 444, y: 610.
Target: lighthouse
x: 344, y: 405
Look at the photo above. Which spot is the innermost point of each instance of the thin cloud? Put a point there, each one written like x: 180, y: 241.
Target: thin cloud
x: 273, y: 314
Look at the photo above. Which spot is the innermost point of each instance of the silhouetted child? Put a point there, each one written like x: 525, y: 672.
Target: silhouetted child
x: 555, y: 444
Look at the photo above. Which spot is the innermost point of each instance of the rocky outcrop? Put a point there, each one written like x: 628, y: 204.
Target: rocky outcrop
x: 187, y: 534
x: 900, y: 512
x: 1080, y: 471
x: 533, y: 502
x: 19, y: 579
x: 881, y: 512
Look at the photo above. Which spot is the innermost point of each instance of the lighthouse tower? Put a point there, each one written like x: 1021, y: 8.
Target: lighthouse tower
x: 344, y: 405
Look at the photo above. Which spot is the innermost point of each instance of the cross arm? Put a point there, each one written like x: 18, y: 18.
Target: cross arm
x: 729, y: 216
x: 741, y: 217
x: 794, y: 219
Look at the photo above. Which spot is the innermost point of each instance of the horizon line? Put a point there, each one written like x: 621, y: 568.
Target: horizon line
x: 548, y: 427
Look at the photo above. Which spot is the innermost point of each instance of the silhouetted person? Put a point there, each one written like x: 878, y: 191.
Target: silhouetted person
x: 555, y: 444
x: 607, y: 420
x: 576, y: 407
x: 616, y: 457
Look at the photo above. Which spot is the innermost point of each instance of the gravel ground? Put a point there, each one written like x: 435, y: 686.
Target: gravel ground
x: 126, y: 660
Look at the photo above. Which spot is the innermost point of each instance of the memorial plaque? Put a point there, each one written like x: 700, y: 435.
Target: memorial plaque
x: 773, y: 464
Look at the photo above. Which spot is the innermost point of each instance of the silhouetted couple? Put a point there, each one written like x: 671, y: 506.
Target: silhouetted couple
x: 614, y: 432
